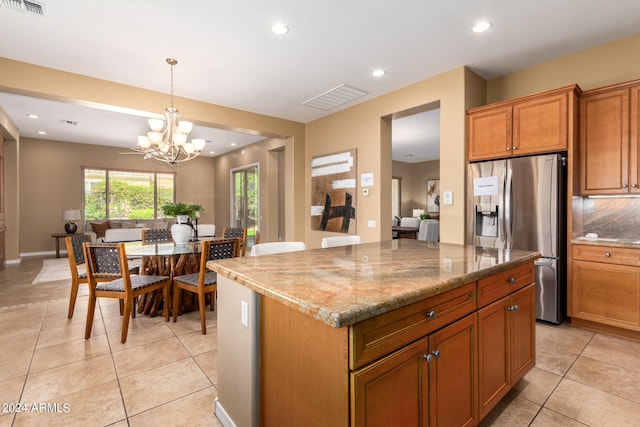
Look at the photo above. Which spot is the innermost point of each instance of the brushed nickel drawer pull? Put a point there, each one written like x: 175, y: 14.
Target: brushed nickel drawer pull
x: 607, y: 254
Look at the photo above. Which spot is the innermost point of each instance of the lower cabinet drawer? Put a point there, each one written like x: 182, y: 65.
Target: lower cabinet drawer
x: 606, y: 254
x: 381, y: 335
x: 495, y: 287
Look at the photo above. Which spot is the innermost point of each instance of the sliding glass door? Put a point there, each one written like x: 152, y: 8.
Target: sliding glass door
x: 245, y: 201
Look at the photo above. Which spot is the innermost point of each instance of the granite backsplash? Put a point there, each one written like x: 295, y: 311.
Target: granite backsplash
x: 616, y: 217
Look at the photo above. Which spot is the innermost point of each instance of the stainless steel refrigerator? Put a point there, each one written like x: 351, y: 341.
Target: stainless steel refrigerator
x: 520, y: 203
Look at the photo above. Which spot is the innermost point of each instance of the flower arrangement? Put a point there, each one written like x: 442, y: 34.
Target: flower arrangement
x: 179, y: 208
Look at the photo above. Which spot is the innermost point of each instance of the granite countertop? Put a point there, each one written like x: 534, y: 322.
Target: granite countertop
x: 344, y: 285
x: 617, y: 243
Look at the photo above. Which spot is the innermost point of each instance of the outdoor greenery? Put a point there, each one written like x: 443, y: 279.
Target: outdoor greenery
x: 130, y: 195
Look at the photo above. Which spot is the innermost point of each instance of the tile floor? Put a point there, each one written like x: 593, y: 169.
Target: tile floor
x: 165, y: 374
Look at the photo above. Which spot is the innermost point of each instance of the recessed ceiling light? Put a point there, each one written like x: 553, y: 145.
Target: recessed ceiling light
x: 32, y: 116
x: 378, y: 72
x: 481, y: 27
x: 233, y: 144
x: 279, y: 29
x: 41, y: 132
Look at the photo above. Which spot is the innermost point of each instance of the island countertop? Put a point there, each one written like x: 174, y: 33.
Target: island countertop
x: 344, y: 285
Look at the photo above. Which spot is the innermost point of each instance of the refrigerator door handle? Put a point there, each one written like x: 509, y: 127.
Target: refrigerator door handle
x: 507, y: 207
x: 544, y: 262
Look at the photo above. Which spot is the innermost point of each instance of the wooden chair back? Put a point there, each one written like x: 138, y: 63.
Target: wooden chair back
x: 156, y: 235
x: 237, y: 233
x: 75, y: 253
x: 105, y: 261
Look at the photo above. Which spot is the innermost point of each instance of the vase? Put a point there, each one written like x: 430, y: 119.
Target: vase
x: 181, y: 233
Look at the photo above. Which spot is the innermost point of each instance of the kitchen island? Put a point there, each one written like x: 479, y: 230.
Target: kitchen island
x: 399, y: 331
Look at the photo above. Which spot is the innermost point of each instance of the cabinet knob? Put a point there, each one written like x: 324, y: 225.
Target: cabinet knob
x: 427, y: 357
x: 513, y: 307
x: 511, y: 280
x: 634, y: 185
x: 624, y: 185
x: 607, y: 254
x: 431, y: 314
x: 514, y: 148
x: 436, y: 354
x: 508, y: 148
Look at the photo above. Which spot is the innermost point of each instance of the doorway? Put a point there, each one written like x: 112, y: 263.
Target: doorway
x: 415, y: 147
x: 245, y: 200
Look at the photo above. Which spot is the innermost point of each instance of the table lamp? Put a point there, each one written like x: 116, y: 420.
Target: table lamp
x: 71, y: 215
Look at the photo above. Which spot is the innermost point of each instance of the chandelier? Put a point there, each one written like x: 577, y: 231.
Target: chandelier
x: 167, y: 139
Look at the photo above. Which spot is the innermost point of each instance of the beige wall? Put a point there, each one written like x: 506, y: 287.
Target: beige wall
x: 607, y: 64
x: 367, y: 128
x: 266, y: 154
x: 51, y: 180
x: 413, y: 192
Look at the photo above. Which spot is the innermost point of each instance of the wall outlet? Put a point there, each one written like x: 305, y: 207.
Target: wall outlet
x: 244, y: 313
x: 365, y: 191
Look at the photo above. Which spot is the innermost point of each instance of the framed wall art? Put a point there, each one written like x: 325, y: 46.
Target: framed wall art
x: 433, y: 195
x: 333, y: 191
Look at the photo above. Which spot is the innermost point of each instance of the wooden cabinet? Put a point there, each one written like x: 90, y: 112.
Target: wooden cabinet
x: 418, y: 365
x: 430, y: 382
x: 605, y: 286
x: 506, y: 331
x: 540, y: 123
x: 609, y: 140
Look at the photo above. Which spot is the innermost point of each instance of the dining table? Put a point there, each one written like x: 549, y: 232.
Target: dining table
x: 166, y: 259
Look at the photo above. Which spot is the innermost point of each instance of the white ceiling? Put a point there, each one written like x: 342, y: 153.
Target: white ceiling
x: 228, y: 56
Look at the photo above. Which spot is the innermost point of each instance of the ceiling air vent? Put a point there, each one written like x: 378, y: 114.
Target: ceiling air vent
x: 337, y: 96
x: 29, y: 7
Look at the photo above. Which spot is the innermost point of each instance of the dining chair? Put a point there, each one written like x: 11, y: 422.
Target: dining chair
x: 204, y: 282
x: 109, y: 277
x: 76, y: 259
x: 77, y: 266
x: 156, y: 235
x: 269, y: 248
x: 335, y: 241
x: 237, y: 233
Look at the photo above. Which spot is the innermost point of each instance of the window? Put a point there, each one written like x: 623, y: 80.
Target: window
x: 113, y: 194
x: 245, y: 201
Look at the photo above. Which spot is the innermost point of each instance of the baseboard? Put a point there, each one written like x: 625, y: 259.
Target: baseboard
x: 222, y: 415
x: 43, y: 253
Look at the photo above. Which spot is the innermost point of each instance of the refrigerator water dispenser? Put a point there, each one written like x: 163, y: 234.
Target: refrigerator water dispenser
x: 487, y: 220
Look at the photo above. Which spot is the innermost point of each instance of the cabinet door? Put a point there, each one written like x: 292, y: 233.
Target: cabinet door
x: 523, y: 332
x: 392, y: 391
x: 606, y: 293
x: 604, y: 143
x: 490, y: 133
x: 634, y: 140
x: 494, y: 370
x: 453, y: 385
x: 540, y: 125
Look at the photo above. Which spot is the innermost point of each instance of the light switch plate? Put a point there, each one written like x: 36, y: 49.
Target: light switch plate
x: 447, y: 197
x: 371, y: 223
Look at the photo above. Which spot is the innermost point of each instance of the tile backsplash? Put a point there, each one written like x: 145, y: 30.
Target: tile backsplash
x: 612, y: 217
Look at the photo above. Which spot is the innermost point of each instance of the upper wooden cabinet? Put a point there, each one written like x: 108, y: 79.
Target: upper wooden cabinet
x: 609, y: 140
x: 540, y: 123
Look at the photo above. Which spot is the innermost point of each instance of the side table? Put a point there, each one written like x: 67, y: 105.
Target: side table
x: 59, y: 236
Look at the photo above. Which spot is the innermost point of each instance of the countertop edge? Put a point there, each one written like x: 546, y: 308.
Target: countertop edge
x: 338, y: 320
x: 618, y: 243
